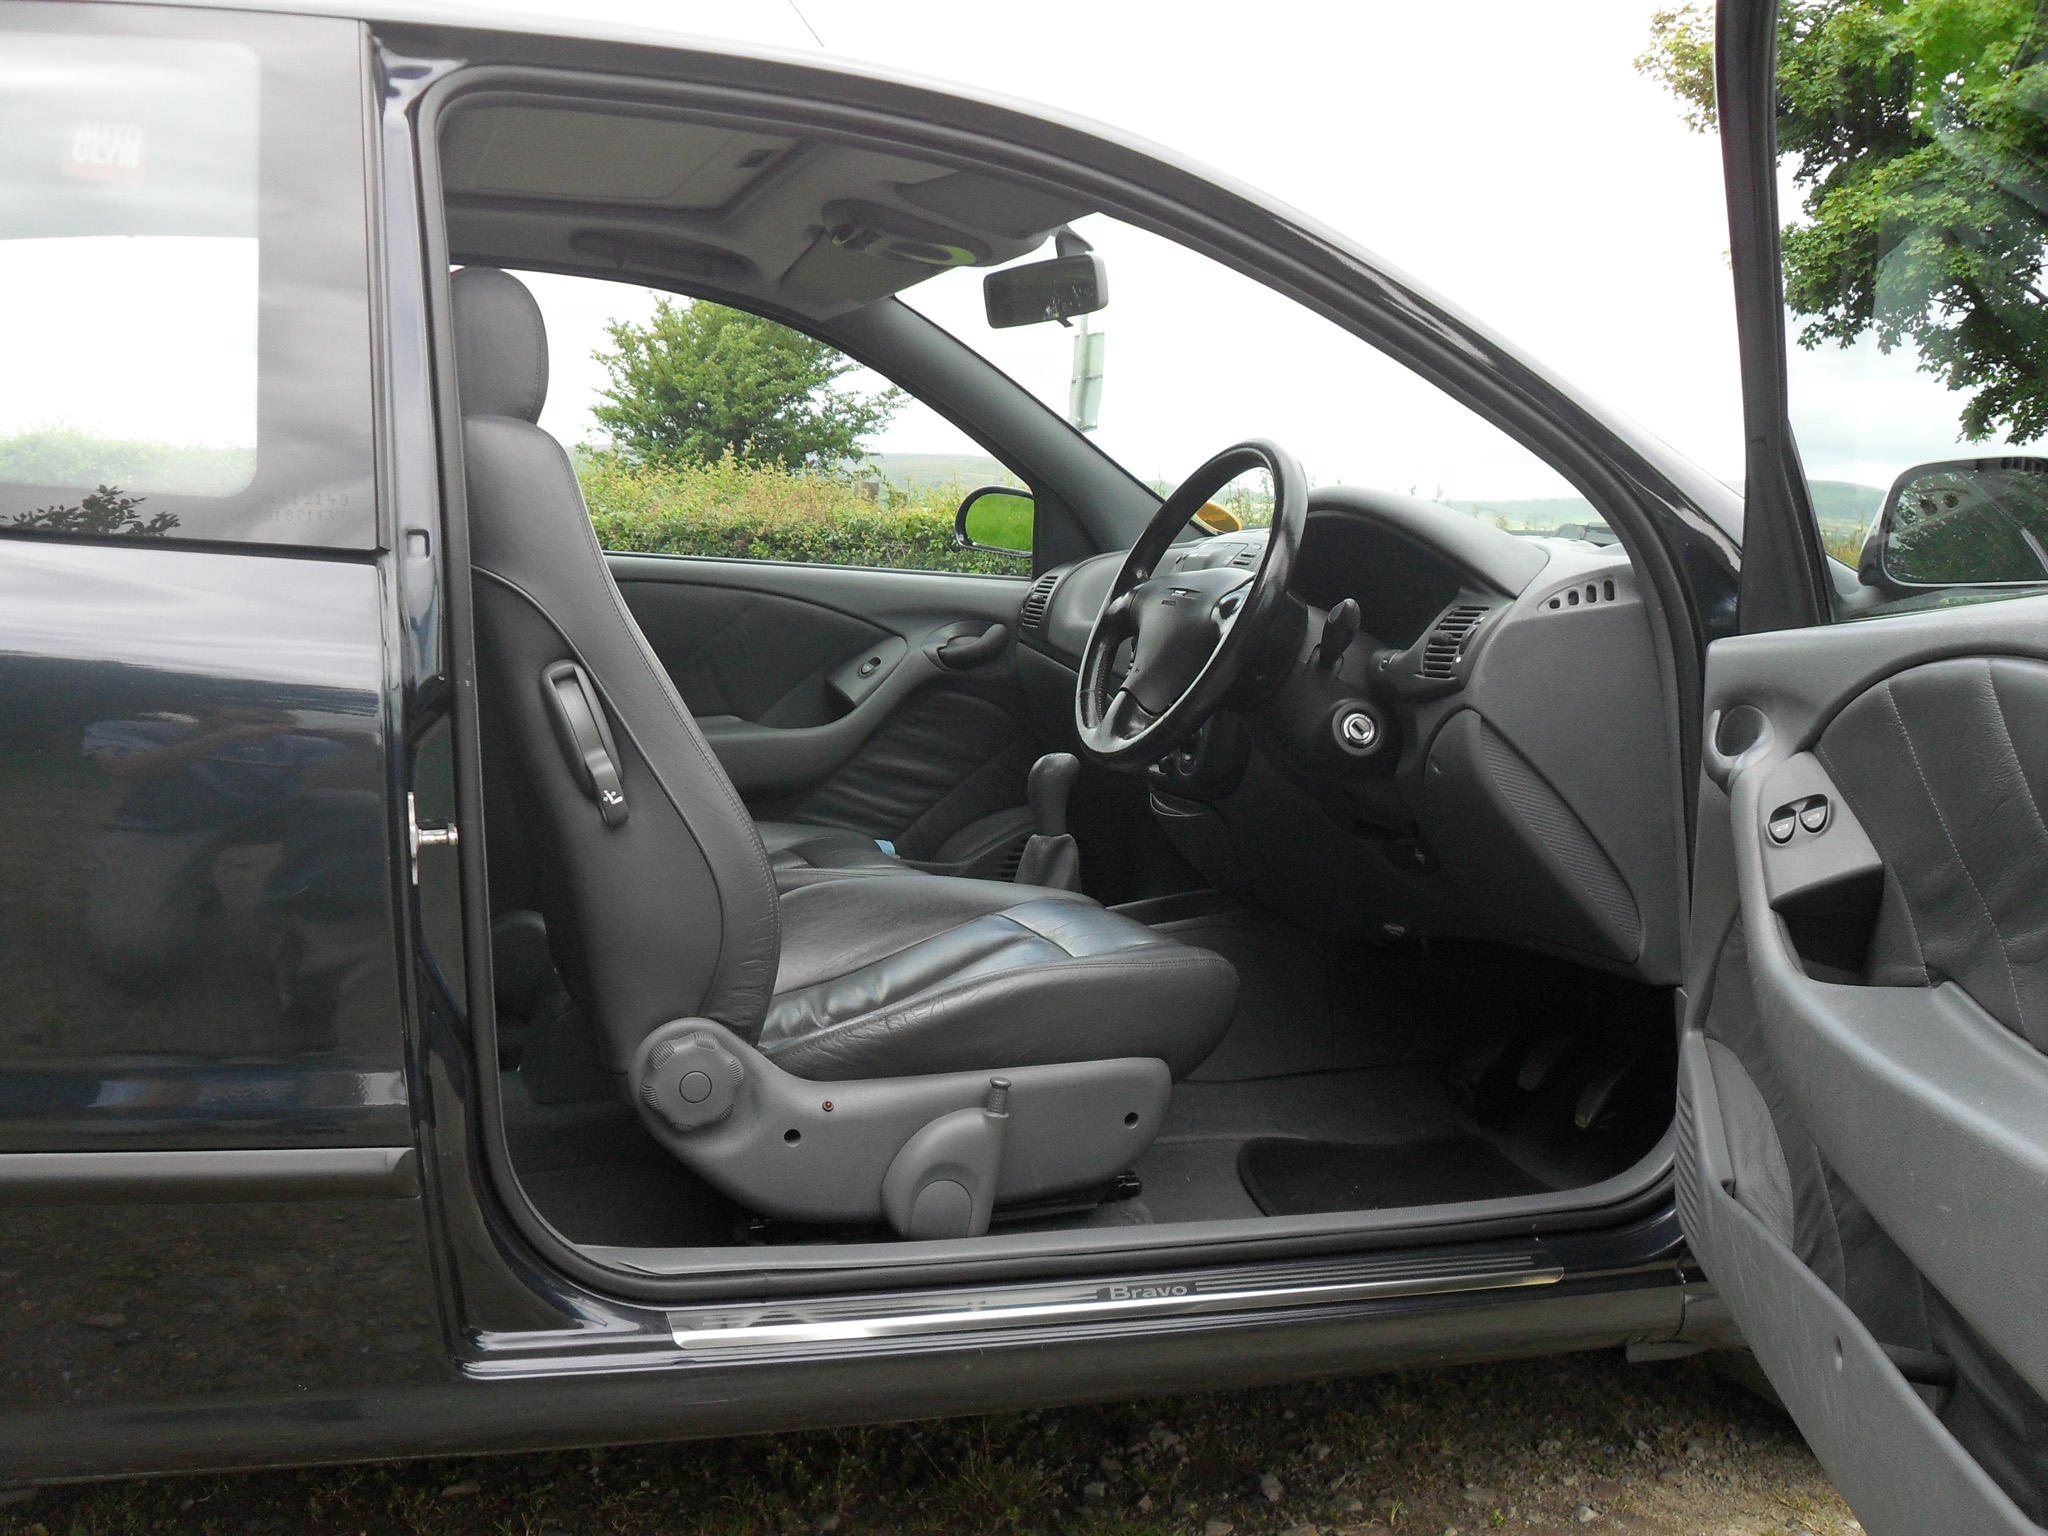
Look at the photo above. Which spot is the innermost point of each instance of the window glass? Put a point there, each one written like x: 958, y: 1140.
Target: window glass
x: 1911, y: 137
x: 183, y: 278
x: 1189, y: 356
x: 702, y: 430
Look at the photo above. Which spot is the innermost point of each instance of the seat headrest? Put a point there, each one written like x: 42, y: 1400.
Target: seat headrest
x: 501, y: 345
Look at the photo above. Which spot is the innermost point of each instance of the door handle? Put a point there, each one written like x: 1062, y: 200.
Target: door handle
x: 1736, y: 737
x: 964, y: 651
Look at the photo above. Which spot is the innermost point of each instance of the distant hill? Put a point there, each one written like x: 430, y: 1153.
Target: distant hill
x: 1532, y: 512
x: 916, y: 471
x: 1843, y: 501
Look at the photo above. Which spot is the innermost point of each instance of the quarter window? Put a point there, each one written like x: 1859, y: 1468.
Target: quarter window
x: 183, y: 278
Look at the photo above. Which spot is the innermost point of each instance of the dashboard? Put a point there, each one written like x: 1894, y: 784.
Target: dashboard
x: 1528, y: 789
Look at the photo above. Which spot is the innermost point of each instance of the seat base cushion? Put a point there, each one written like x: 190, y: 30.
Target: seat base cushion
x: 887, y: 978
x: 801, y: 855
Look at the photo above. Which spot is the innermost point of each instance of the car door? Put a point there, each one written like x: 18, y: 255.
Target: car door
x: 1863, y: 1093
x: 210, y: 1192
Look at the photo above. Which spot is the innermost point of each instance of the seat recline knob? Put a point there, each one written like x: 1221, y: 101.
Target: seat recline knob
x: 691, y: 1081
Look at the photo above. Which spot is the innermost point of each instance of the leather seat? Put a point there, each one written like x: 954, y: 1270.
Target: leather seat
x: 660, y: 898
x: 804, y: 855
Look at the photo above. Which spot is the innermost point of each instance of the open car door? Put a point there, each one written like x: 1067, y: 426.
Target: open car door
x: 1863, y: 1115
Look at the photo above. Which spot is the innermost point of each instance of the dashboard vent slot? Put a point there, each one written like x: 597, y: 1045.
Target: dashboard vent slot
x: 1246, y: 558
x: 1032, y: 615
x: 1447, y: 641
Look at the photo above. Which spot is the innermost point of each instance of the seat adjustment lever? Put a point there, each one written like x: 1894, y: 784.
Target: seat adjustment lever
x: 584, y: 737
x: 943, y: 1182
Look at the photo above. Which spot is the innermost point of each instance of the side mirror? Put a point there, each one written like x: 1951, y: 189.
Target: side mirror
x: 1962, y: 523
x: 997, y: 519
x: 1046, y: 290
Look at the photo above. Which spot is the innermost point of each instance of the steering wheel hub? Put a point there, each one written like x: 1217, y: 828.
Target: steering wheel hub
x: 1193, y: 632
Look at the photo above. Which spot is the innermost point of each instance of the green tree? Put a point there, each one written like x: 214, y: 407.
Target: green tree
x: 1918, y: 136
x: 700, y: 382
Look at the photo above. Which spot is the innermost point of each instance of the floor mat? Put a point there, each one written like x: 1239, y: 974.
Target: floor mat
x: 1289, y: 1177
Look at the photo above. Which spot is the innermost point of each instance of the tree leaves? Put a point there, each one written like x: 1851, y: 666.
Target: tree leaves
x: 701, y: 382
x: 106, y: 512
x: 1917, y: 132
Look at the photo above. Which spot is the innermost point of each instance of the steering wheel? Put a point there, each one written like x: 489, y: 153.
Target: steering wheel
x: 1194, y: 630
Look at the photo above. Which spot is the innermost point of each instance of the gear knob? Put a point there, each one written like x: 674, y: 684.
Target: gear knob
x: 1052, y: 780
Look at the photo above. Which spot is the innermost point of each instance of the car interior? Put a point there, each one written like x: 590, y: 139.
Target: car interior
x: 1278, y: 879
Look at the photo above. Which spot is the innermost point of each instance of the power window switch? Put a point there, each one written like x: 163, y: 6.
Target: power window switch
x: 1813, y: 815
x: 1783, y: 823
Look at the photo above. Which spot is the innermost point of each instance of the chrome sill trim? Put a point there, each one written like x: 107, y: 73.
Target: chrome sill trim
x: 151, y: 1178
x: 722, y: 1328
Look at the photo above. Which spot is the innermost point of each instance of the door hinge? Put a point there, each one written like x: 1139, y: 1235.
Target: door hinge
x: 418, y: 837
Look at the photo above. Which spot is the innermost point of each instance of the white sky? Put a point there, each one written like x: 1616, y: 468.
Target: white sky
x: 1505, y: 154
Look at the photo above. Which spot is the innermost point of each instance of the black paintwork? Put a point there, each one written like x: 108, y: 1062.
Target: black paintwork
x: 318, y: 1003
x: 198, y: 940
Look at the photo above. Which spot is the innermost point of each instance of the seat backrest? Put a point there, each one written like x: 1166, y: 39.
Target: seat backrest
x: 658, y: 897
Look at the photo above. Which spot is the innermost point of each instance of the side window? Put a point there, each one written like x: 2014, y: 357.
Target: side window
x: 184, y: 278
x: 1910, y: 138
x: 698, y: 429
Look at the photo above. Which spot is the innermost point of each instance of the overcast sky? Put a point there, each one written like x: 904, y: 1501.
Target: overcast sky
x: 1507, y: 155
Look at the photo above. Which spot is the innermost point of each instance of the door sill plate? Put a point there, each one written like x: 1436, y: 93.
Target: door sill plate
x: 1132, y: 1298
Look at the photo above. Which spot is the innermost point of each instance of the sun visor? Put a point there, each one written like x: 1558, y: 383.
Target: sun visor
x: 609, y: 157
x: 866, y: 251
x: 1000, y: 207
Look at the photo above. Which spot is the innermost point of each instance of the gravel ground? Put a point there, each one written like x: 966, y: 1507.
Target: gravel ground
x: 1583, y: 1442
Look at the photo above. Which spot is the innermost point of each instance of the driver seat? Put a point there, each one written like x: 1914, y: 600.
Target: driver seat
x: 660, y: 902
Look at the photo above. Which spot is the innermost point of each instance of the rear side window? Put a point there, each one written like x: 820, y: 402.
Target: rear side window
x: 183, y: 278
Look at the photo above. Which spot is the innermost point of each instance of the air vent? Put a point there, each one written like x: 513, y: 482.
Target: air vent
x: 1585, y: 595
x: 1246, y: 558
x: 1447, y: 641
x: 1032, y: 615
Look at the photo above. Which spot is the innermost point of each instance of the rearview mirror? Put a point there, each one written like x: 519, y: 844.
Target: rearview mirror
x: 998, y: 519
x: 1046, y: 290
x: 1962, y: 523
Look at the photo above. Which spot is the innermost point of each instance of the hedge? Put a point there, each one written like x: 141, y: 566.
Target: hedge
x: 765, y: 512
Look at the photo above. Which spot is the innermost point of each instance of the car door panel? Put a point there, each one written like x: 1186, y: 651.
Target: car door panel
x: 756, y: 656
x: 1864, y: 1149
x: 945, y: 760
x: 772, y: 657
x: 1897, y: 1463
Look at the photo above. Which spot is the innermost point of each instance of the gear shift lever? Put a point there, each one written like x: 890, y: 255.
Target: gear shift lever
x: 1052, y: 857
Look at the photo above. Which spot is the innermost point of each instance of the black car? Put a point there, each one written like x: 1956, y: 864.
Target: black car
x: 468, y: 988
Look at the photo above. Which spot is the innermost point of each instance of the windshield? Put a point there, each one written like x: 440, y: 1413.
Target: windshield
x: 1189, y: 356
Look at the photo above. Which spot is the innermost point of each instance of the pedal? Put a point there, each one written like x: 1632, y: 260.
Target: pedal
x: 1481, y: 1080
x: 1596, y: 1107
x: 1543, y: 1058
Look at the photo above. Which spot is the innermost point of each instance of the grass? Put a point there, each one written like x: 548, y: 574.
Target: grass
x: 765, y: 512
x: 1666, y: 1449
